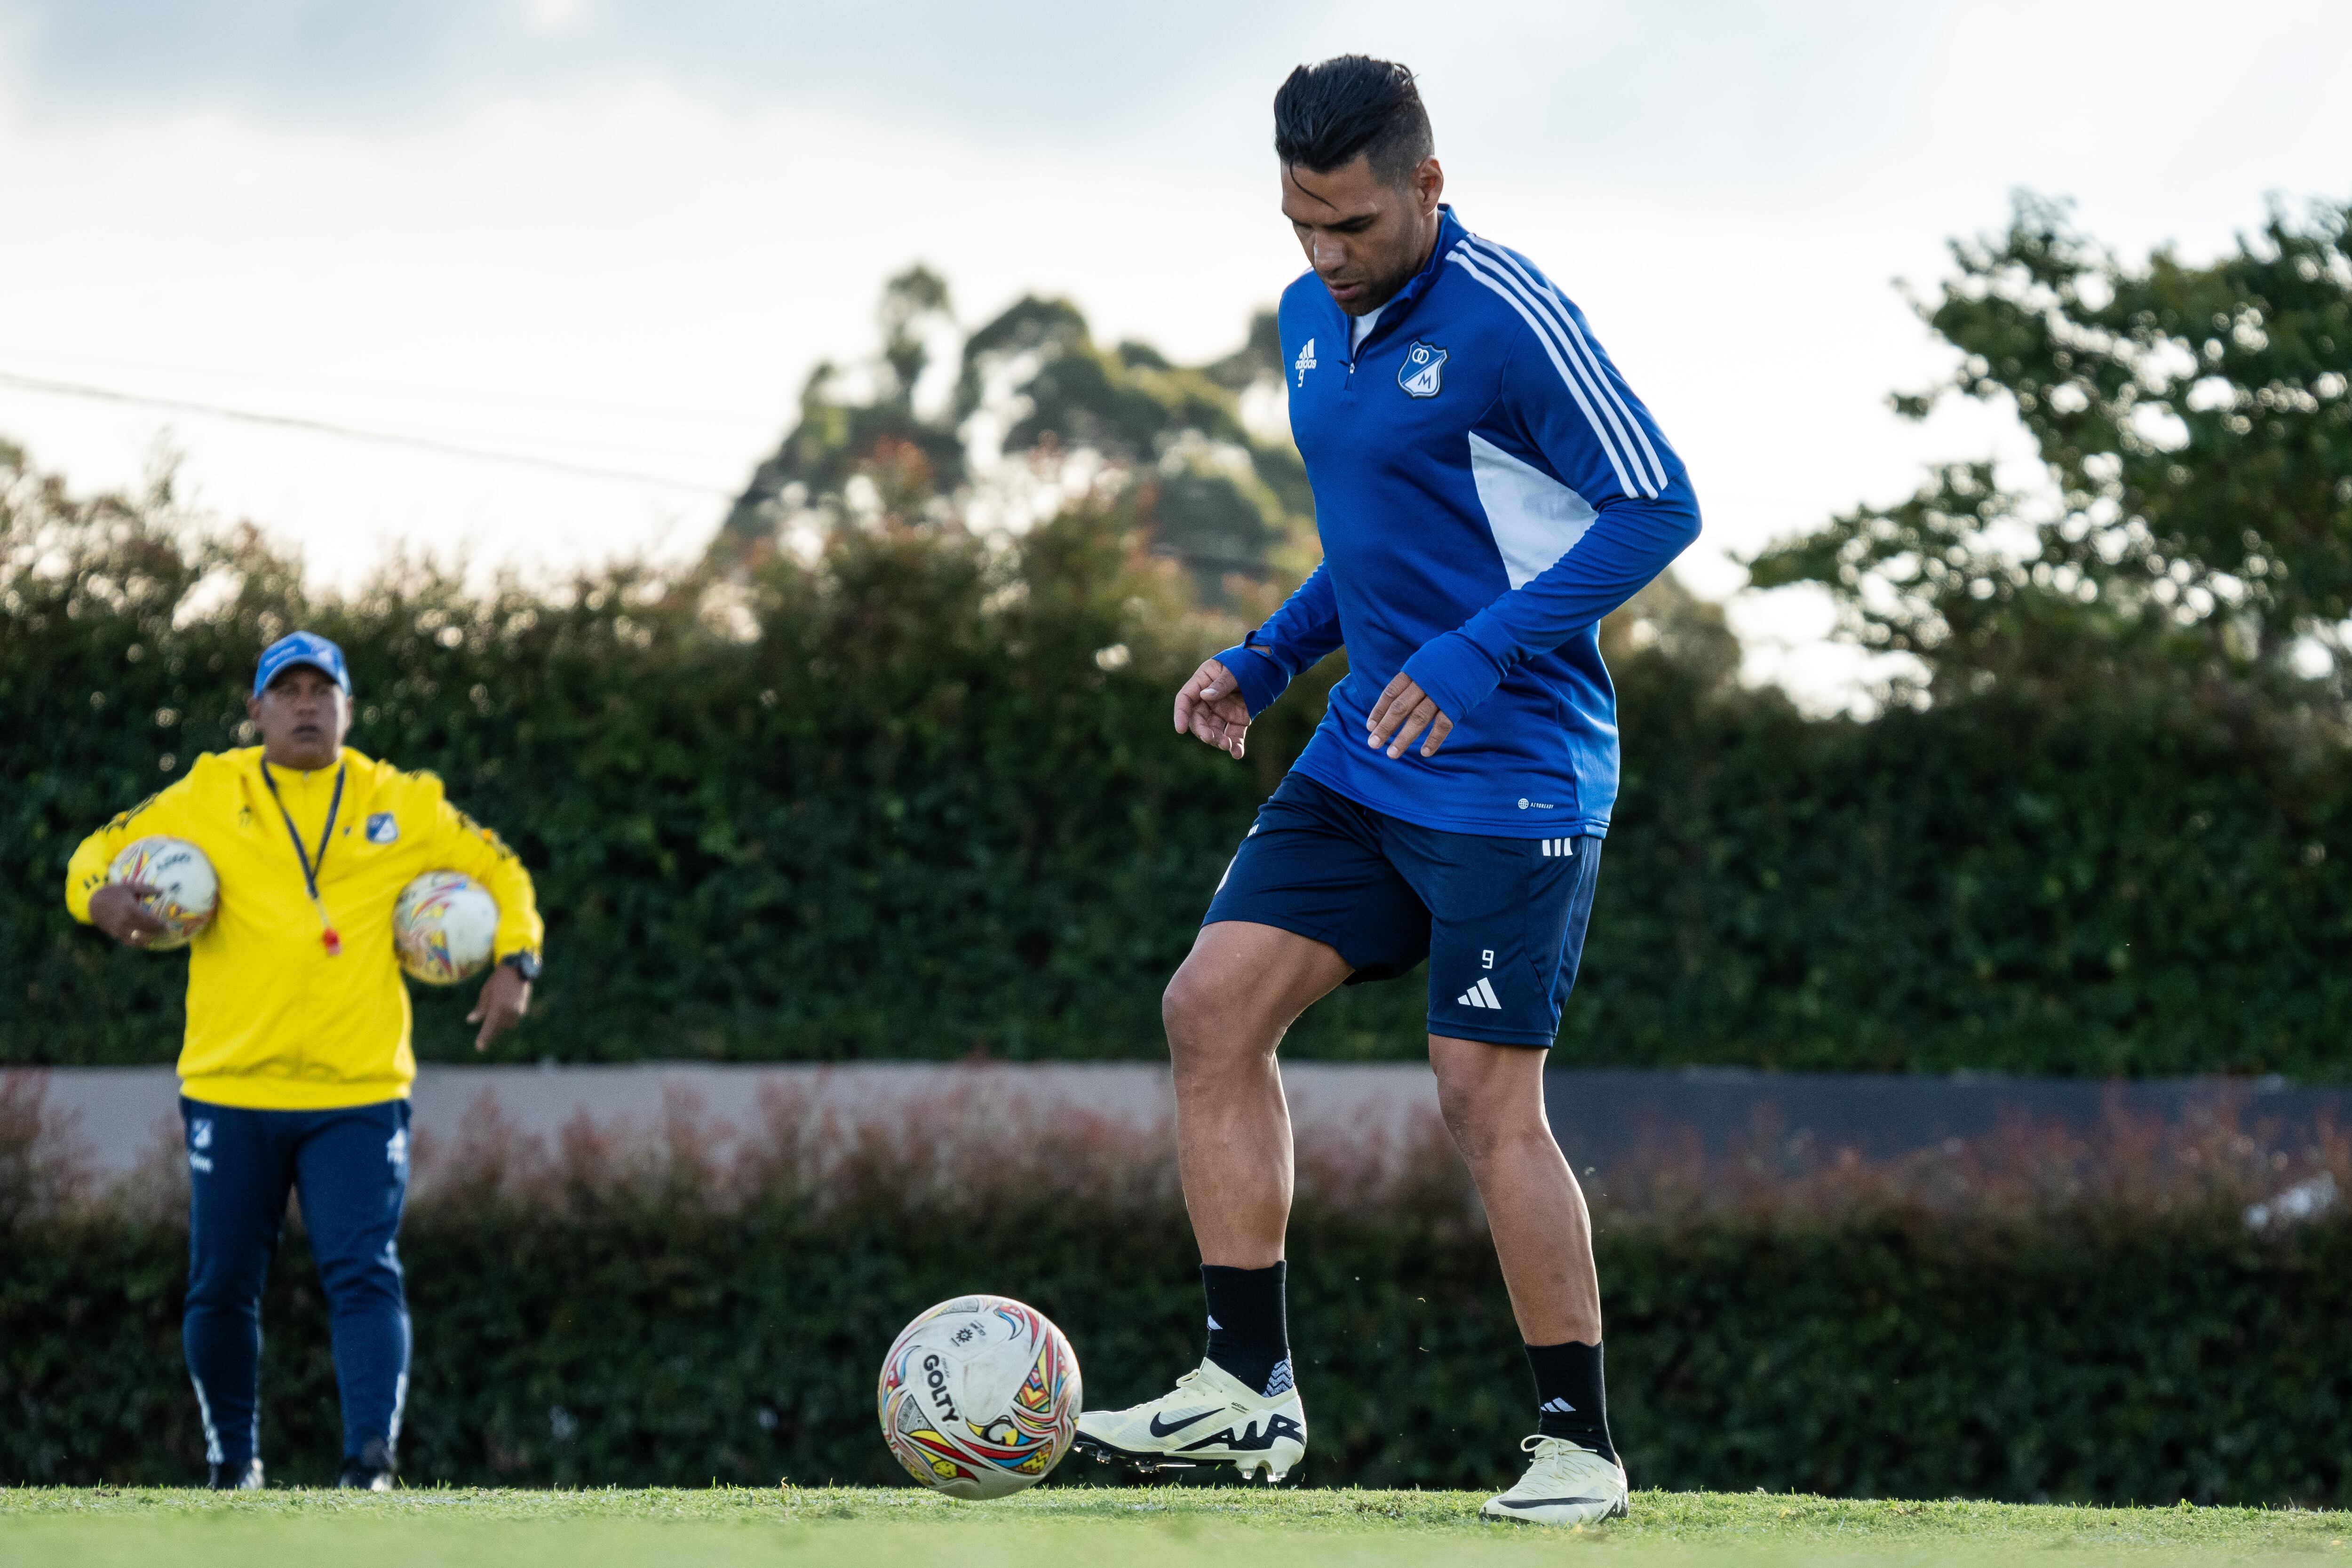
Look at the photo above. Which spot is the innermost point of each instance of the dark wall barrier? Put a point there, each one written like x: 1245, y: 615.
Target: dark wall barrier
x: 2057, y: 1321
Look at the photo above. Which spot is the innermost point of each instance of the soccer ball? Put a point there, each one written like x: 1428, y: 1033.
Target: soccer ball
x: 980, y: 1397
x: 187, y: 893
x: 444, y: 927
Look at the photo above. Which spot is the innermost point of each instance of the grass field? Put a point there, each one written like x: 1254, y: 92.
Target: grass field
x: 1161, y: 1527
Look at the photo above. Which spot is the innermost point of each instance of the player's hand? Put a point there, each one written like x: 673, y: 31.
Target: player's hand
x: 115, y: 909
x: 505, y: 999
x: 1209, y: 708
x: 1403, y: 711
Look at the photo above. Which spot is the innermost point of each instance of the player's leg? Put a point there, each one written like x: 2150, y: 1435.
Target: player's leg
x: 1305, y: 904
x: 1492, y: 1096
x: 351, y: 1170
x: 1493, y: 1101
x: 1508, y: 929
x: 1225, y: 1013
x: 238, y: 1169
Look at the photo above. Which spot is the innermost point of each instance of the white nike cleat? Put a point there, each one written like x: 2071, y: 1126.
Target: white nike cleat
x: 1211, y: 1417
x: 1564, y: 1485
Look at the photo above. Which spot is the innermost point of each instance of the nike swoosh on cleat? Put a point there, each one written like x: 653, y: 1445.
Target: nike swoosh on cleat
x: 1174, y: 1427
x: 1545, y: 1501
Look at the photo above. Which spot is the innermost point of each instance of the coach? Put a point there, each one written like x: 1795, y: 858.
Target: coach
x: 295, y: 1066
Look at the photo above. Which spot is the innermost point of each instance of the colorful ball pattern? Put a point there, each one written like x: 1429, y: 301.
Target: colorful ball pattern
x: 980, y: 1397
x: 444, y: 928
x: 187, y: 891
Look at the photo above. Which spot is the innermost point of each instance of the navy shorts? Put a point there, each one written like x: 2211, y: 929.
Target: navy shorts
x: 1501, y: 920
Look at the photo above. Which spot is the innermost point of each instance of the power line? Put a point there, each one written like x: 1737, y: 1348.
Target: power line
x: 353, y: 433
x: 350, y: 384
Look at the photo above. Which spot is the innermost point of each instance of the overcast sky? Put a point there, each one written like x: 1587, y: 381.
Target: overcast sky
x: 616, y: 234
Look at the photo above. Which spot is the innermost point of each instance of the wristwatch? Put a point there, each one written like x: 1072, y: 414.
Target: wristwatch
x: 524, y: 963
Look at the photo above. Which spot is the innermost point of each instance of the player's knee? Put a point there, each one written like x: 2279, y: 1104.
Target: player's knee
x: 1482, y: 1121
x: 1207, y: 1031
x: 1473, y: 1131
x: 1189, y: 1009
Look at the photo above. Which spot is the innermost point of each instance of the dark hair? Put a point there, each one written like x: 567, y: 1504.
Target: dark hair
x: 1327, y: 114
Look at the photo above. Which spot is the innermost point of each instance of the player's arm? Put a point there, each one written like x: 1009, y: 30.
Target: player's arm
x: 461, y: 844
x: 114, y: 906
x: 1216, y: 705
x: 1567, y: 401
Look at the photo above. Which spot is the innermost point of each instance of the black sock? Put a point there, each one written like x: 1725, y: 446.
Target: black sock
x: 1249, y: 1333
x: 1570, y: 1401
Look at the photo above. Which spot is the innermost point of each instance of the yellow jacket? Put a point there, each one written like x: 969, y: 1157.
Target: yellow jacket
x: 274, y: 1022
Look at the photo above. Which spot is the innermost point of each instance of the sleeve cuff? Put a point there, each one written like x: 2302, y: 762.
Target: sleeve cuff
x: 1259, y: 679
x: 1455, y: 673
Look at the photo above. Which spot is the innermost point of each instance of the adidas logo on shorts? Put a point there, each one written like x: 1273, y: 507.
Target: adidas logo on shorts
x: 1480, y: 995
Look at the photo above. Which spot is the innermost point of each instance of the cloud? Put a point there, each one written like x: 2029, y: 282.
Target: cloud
x: 1065, y: 63
x: 509, y: 206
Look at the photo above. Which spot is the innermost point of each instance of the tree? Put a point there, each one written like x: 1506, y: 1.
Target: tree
x: 841, y: 435
x: 1033, y: 388
x: 2196, y: 431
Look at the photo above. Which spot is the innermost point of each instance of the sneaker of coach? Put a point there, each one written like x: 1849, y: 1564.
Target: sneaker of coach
x: 1210, y: 1417
x: 1564, y: 1485
x: 243, y: 1478
x: 371, y: 1471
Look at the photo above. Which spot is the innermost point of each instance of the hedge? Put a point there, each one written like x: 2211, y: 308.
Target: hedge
x: 921, y: 798
x: 2111, y: 1331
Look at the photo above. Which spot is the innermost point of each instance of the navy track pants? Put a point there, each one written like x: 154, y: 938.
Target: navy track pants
x: 350, y: 1168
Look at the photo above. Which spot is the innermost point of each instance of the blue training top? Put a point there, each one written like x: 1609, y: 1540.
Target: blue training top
x: 1487, y: 487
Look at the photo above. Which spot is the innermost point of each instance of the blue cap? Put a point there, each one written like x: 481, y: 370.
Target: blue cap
x: 301, y: 648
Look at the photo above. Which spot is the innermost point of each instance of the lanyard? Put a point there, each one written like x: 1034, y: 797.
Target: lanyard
x: 328, y: 936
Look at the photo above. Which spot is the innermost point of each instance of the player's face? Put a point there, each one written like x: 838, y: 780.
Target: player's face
x: 302, y: 717
x: 1364, y: 236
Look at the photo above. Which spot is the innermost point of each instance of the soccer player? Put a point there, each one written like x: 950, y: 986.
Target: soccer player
x: 295, y: 1066
x: 1487, y: 487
